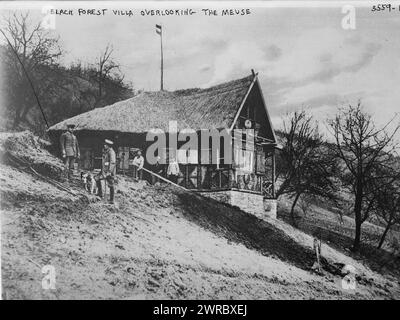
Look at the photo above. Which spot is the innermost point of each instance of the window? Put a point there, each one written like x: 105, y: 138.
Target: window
x: 123, y: 157
x: 260, y: 161
x: 248, y: 163
x: 165, y: 155
x: 193, y: 156
x: 205, y: 156
x: 244, y: 160
x: 187, y: 156
x: 87, y: 159
x: 221, y: 158
x: 182, y: 156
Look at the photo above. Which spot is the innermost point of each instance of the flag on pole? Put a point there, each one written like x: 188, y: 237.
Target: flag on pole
x: 158, y: 29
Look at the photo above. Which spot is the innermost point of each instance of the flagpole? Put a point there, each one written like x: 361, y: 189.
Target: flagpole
x: 162, y: 64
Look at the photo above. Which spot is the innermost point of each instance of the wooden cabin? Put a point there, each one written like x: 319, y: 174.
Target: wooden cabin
x: 247, y: 182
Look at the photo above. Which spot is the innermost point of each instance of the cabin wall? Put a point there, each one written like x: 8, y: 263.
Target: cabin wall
x: 91, y: 147
x: 193, y: 176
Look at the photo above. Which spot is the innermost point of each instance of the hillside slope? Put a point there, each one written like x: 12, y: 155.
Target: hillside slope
x: 157, y: 242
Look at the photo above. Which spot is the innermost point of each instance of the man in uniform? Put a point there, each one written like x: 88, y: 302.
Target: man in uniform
x: 69, y: 149
x: 108, y: 171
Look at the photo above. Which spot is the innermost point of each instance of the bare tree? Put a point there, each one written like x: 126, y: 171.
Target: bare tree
x: 106, y: 66
x: 388, y: 207
x: 29, y: 55
x: 365, y: 151
x: 306, y: 166
x: 34, y: 77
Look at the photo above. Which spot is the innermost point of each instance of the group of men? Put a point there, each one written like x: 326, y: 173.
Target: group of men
x: 70, y: 152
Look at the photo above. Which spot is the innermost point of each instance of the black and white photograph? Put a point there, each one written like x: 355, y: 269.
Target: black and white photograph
x: 200, y: 150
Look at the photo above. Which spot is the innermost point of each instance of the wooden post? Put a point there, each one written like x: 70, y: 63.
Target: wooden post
x: 273, y: 173
x: 159, y: 32
x: 162, y: 64
x: 198, y: 176
x: 186, y: 175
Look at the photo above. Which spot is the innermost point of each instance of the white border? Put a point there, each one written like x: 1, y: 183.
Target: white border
x: 8, y: 5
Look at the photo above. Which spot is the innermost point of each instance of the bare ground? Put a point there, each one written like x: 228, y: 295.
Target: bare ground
x: 339, y: 233
x: 159, y: 242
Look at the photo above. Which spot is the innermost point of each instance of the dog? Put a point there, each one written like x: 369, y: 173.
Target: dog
x: 89, y: 183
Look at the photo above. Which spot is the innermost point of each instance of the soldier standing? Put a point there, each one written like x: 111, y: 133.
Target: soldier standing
x: 108, y: 170
x: 69, y: 149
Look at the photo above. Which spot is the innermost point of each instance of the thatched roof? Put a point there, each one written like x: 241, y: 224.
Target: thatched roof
x: 209, y: 108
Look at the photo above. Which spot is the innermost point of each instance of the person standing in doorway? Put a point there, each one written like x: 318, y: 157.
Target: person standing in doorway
x: 173, y: 170
x: 108, y: 170
x: 69, y: 150
x: 138, y: 163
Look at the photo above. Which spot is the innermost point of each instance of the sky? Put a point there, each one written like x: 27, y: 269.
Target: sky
x: 303, y: 55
